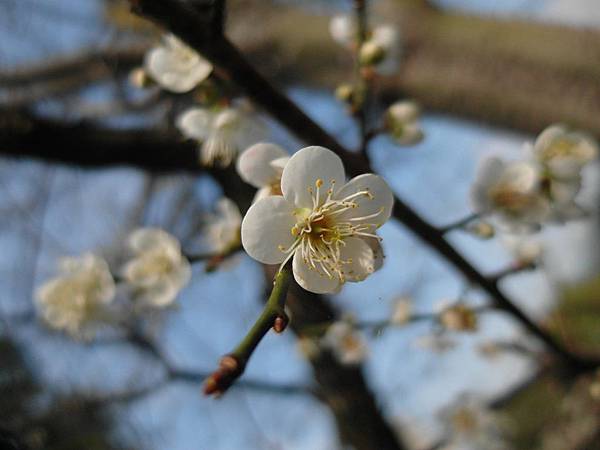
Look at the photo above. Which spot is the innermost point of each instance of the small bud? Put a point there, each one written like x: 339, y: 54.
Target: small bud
x: 139, y: 78
x: 402, y: 311
x: 401, y: 120
x: 481, y: 229
x: 458, y: 317
x: 221, y: 379
x: 371, y: 53
x: 345, y: 92
x: 281, y: 322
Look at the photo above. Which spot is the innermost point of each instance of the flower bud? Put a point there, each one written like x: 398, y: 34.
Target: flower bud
x: 371, y: 53
x: 481, y: 229
x: 139, y: 78
x: 402, y: 311
x: 401, y: 120
x: 458, y: 317
x: 345, y: 92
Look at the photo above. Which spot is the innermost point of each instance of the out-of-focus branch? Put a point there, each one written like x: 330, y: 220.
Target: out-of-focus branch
x: 343, y: 388
x: 87, y: 145
x: 190, y: 27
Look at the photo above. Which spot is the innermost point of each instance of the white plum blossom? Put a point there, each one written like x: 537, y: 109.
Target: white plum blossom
x: 222, y: 229
x: 402, y: 122
x: 524, y: 248
x: 347, y: 345
x: 158, y: 270
x: 221, y: 132
x: 323, y: 224
x: 511, y: 192
x: 261, y: 165
x: 76, y: 300
x: 343, y: 30
x: 470, y: 425
x: 175, y: 66
x: 562, y: 154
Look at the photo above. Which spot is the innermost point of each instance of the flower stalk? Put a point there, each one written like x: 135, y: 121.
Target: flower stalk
x: 273, y: 316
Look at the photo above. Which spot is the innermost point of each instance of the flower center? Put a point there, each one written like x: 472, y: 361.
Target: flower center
x: 321, y: 231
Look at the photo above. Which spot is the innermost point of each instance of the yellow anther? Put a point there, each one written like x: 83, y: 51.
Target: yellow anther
x: 319, y: 183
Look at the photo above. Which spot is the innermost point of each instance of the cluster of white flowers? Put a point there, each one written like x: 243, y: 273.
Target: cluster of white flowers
x: 80, y: 298
x: 221, y: 131
x: 76, y: 300
x: 381, y: 50
x: 522, y: 195
x: 327, y: 227
x: 175, y: 67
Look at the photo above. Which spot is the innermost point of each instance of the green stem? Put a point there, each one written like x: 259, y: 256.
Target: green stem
x: 273, y: 308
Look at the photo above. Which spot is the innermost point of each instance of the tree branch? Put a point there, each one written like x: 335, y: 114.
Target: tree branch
x: 178, y: 18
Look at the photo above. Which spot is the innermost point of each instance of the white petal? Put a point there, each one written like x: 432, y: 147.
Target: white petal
x: 343, y: 29
x: 381, y: 199
x: 378, y: 254
x: 181, y: 275
x: 361, y: 255
x: 488, y: 173
x: 254, y: 164
x: 267, y: 226
x: 564, y: 192
x: 547, y: 138
x: 522, y: 176
x: 195, y: 123
x: 307, y: 166
x: 263, y: 192
x: 227, y: 209
x: 176, y: 70
x: 145, y: 239
x: 160, y: 294
x: 311, y: 280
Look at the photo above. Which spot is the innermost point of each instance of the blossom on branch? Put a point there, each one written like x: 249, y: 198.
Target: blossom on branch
x: 222, y: 133
x: 158, y: 270
x: 345, y: 343
x: 511, y: 192
x: 76, y: 300
x: 175, y: 66
x: 325, y: 226
x: 401, y: 120
x: 222, y: 229
x: 261, y: 165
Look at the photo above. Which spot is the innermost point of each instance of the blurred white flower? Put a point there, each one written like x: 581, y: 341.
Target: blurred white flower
x: 347, y: 345
x: 325, y: 230
x: 470, y: 425
x: 343, y: 30
x: 261, y: 166
x: 158, y: 271
x: 524, y: 248
x: 175, y: 66
x: 76, y: 300
x: 511, y: 192
x: 562, y: 154
x: 401, y: 311
x: 221, y: 132
x: 401, y: 120
x: 387, y: 38
x: 222, y: 230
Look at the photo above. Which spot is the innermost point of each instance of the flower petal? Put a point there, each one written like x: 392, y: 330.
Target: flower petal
x: 195, y: 123
x: 311, y: 280
x: 267, y: 226
x: 160, y: 294
x: 304, y: 168
x: 254, y: 164
x: 363, y: 261
x: 381, y: 199
x: 145, y: 239
x: 378, y: 254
